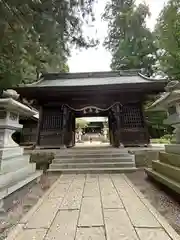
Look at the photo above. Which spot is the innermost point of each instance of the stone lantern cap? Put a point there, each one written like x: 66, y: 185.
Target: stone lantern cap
x: 168, y: 98
x: 12, y: 105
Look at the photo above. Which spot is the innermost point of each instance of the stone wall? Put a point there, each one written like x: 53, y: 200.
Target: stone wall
x: 143, y: 158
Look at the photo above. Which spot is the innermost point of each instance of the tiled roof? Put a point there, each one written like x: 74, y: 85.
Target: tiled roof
x: 92, y: 79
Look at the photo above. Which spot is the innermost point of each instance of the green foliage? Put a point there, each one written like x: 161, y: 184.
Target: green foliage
x: 155, y: 119
x: 168, y: 39
x: 81, y: 123
x: 167, y: 136
x: 36, y: 37
x: 129, y: 40
x: 166, y: 139
x: 161, y: 141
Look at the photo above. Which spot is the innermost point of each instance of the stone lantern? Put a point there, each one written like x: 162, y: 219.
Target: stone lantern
x: 15, y: 169
x: 170, y: 102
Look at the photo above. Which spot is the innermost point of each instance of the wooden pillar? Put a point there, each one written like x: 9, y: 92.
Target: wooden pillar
x: 64, y: 124
x: 117, y: 110
x: 114, y: 139
x: 40, y: 120
x: 73, y: 130
x: 145, y: 125
x: 69, y: 129
x: 110, y: 128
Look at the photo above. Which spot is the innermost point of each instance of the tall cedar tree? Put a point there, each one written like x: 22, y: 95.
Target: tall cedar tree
x: 129, y: 40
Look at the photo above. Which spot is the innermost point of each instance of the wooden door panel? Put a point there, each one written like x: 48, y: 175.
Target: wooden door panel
x: 51, y: 129
x: 133, y: 128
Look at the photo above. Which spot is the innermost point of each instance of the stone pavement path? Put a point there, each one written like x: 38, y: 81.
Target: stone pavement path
x: 93, y: 207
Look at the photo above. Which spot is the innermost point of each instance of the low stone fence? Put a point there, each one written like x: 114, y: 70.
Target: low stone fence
x: 143, y: 158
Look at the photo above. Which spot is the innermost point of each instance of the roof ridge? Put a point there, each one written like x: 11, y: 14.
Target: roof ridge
x: 98, y: 74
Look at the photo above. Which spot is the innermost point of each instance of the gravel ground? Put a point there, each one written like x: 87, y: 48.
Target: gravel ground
x: 165, y: 201
x: 20, y: 202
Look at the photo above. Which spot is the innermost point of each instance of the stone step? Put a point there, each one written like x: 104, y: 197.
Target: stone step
x: 170, y: 158
x: 167, y: 170
x: 94, y: 170
x: 7, y: 178
x: 90, y: 155
x: 175, y: 186
x: 92, y: 165
x: 93, y: 159
x: 87, y: 151
x: 107, y: 159
x: 96, y: 147
x: 7, y: 190
x: 12, y: 164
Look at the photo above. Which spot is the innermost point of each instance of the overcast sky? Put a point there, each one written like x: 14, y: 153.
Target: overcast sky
x: 99, y: 59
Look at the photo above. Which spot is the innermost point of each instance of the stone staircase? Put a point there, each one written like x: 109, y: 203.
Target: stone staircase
x: 166, y: 170
x: 93, y: 159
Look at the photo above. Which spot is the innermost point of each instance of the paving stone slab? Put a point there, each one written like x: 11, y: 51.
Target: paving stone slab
x: 74, y: 195
x: 118, y: 225
x: 94, y: 233
x: 117, y: 176
x: 110, y: 198
x: 112, y: 201
x: 63, y: 226
x: 59, y: 191
x: 44, y: 216
x: 104, y: 176
x: 27, y: 216
x: 80, y: 177
x: 66, y: 178
x: 91, y: 189
x: 139, y: 213
x: 106, y: 186
x: 72, y: 201
x: 32, y: 234
x: 123, y: 188
x: 91, y: 177
x: 91, y: 212
x: 135, y: 189
x: 152, y: 234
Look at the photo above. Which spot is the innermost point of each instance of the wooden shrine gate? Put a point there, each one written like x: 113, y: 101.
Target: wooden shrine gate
x: 126, y: 125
